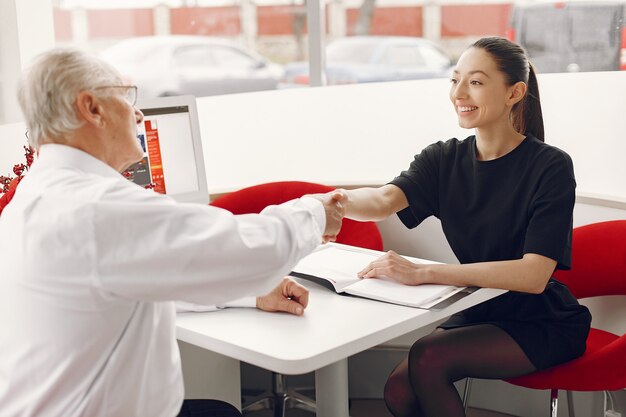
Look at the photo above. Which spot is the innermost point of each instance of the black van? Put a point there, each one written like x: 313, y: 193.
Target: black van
x: 571, y: 37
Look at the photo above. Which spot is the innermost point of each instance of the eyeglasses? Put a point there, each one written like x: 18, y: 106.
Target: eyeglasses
x: 131, y: 92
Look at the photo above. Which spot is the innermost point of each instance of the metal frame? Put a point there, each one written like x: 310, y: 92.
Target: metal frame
x: 316, y: 24
x: 554, y: 399
x: 279, y: 399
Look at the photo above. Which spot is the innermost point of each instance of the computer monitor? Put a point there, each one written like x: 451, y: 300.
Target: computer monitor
x: 170, y: 137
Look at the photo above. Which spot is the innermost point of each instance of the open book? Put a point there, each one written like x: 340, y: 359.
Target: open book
x: 335, y: 266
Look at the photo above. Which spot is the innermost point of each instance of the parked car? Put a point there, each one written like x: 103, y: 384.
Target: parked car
x: 363, y: 59
x: 196, y: 65
x: 571, y: 36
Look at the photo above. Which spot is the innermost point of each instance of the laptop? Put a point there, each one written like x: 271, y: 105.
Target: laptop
x: 170, y: 137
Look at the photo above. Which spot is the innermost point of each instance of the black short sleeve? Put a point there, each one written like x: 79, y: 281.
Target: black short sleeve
x: 549, y: 231
x: 420, y: 185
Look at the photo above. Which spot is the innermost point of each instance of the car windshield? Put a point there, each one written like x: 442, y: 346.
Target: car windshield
x: 130, y: 52
x: 351, y: 51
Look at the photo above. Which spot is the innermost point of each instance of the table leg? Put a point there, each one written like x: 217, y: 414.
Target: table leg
x: 331, y: 390
x: 210, y: 375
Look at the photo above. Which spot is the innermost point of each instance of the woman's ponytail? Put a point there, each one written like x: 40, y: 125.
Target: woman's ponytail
x: 528, y: 118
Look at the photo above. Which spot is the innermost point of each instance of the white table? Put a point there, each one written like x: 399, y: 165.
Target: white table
x: 333, y: 328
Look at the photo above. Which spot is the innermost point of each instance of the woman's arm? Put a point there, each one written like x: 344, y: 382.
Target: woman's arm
x: 529, y: 274
x: 373, y: 204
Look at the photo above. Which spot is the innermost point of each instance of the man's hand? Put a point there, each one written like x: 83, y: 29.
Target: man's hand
x: 288, y: 296
x: 335, y: 211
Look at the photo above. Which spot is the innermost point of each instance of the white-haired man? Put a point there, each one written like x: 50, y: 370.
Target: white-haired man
x: 87, y: 317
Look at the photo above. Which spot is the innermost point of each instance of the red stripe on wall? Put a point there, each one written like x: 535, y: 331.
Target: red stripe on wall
x: 62, y: 25
x: 402, y: 21
x: 120, y: 23
x: 223, y: 21
x: 475, y: 20
x: 280, y: 20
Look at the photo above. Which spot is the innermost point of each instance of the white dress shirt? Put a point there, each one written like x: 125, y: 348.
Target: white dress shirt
x: 90, y: 264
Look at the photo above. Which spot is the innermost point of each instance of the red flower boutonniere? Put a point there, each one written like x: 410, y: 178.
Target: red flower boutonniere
x: 8, y: 183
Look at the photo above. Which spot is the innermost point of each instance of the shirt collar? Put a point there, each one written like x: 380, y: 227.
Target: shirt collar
x: 53, y: 155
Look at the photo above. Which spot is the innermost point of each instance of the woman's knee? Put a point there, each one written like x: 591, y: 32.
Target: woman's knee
x: 425, y: 357
x: 395, y: 387
x: 398, y: 393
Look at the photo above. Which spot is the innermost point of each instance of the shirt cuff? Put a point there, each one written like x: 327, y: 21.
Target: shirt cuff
x: 315, y: 207
x: 183, y: 306
x: 249, y: 301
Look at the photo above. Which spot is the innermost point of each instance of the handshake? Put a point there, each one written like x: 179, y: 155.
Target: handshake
x: 289, y: 296
x: 335, y: 207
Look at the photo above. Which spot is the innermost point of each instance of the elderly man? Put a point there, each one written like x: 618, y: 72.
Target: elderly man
x: 92, y: 262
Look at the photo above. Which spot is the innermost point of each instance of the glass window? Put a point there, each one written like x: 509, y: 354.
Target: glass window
x: 434, y: 57
x: 230, y: 58
x: 592, y: 28
x: 198, y: 47
x: 538, y: 29
x: 130, y: 52
x: 404, y: 56
x: 350, y: 50
x: 193, y: 56
x: 368, y: 34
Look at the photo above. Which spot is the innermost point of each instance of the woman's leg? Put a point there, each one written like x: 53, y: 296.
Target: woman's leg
x: 399, y: 396
x: 445, y: 356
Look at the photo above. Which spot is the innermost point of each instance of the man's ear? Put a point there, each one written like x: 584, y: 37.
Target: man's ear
x: 517, y: 92
x: 89, y: 108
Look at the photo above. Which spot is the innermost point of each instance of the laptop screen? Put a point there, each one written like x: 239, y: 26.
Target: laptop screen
x: 173, y: 163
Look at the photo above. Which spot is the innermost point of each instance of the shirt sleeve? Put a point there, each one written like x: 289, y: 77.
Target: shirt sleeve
x: 420, y: 185
x: 151, y: 248
x: 549, y: 231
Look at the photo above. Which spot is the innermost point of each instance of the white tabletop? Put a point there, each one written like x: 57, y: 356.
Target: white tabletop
x: 333, y: 328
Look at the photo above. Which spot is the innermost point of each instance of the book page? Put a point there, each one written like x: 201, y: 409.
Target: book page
x: 423, y: 296
x: 338, y: 266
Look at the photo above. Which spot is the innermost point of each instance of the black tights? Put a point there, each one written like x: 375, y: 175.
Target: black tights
x: 423, y: 384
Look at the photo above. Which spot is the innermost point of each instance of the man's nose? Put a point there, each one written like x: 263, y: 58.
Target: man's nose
x: 138, y: 115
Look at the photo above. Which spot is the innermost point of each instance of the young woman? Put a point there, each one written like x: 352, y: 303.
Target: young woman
x: 505, y: 201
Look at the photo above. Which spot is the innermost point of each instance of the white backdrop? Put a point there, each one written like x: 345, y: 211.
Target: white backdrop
x: 367, y: 134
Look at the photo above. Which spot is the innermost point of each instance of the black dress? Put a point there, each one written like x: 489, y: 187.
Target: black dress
x: 499, y: 210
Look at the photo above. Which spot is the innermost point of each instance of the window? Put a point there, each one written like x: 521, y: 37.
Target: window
x: 193, y: 56
x: 434, y: 57
x: 404, y: 56
x: 272, y: 34
x: 186, y: 47
x: 230, y: 58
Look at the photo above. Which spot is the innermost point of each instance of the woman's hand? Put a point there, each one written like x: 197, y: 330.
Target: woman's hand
x: 395, y: 267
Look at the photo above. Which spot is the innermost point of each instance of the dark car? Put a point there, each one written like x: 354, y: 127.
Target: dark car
x: 364, y: 59
x: 195, y: 65
x: 571, y: 37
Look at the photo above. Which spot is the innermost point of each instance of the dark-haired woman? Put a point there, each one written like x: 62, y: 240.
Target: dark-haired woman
x: 505, y: 201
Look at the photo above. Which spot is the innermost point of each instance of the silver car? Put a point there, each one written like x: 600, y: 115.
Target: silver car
x: 365, y: 59
x: 196, y: 65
